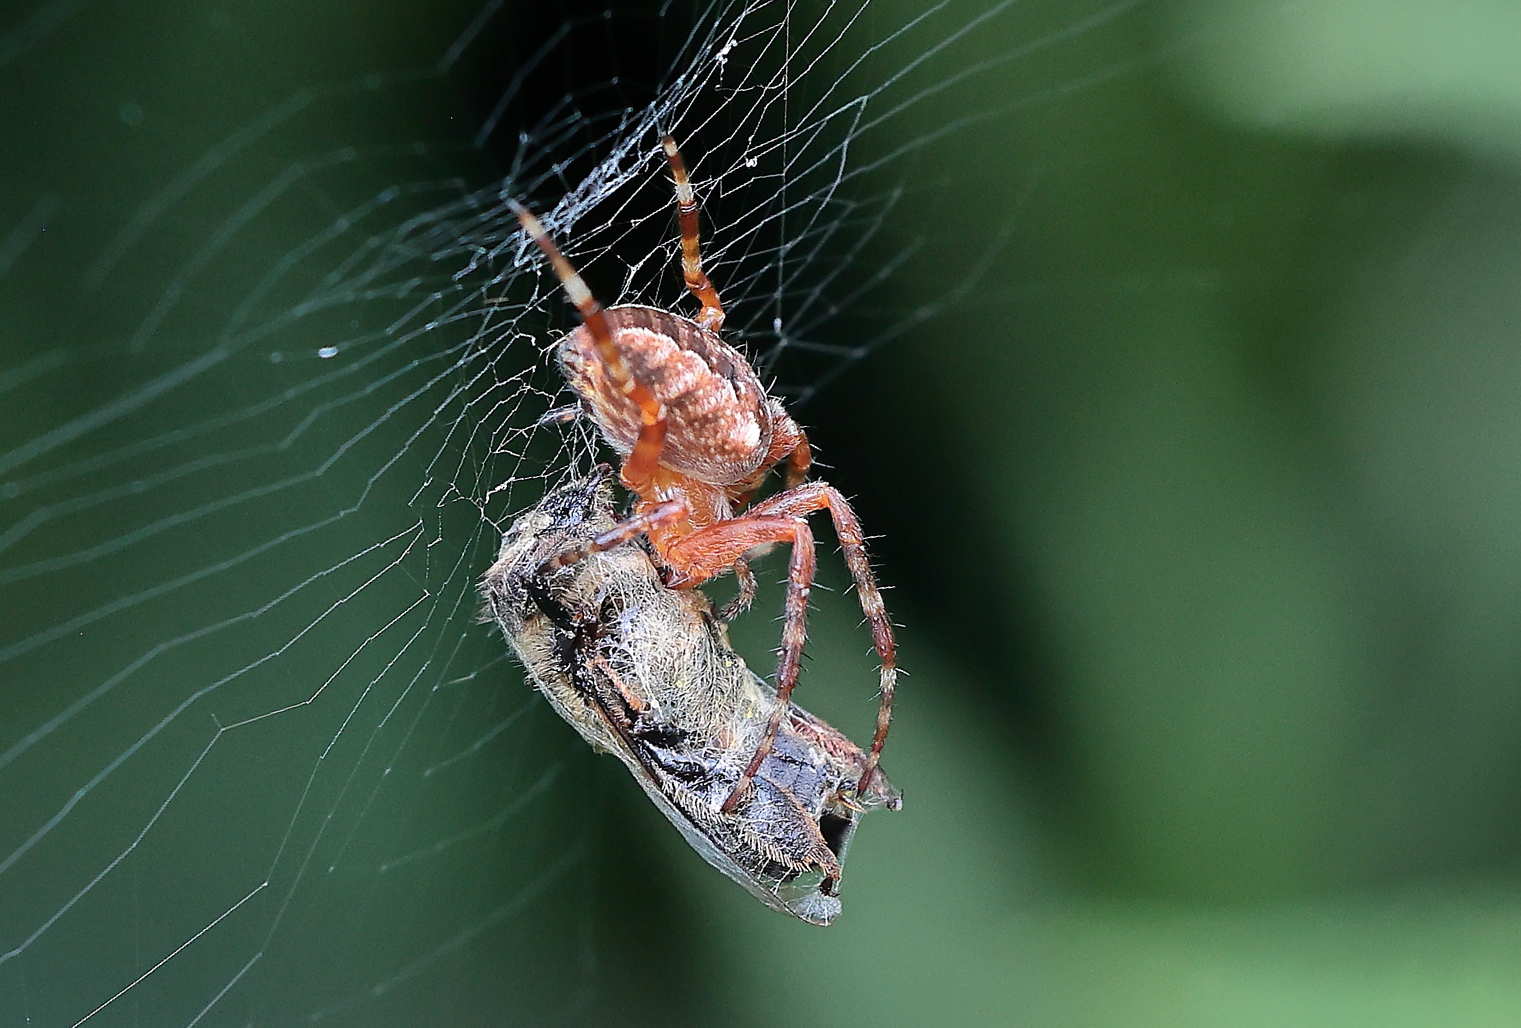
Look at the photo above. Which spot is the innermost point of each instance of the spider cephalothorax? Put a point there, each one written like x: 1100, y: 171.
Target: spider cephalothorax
x: 698, y: 434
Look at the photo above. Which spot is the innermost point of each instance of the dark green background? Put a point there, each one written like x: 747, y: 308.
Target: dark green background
x: 1197, y: 472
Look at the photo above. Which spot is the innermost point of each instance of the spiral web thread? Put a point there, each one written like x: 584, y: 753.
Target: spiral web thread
x: 251, y: 716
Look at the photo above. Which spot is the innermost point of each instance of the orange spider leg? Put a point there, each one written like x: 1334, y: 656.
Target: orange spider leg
x: 656, y: 516
x: 788, y: 440
x: 798, y: 462
x: 787, y: 443
x: 712, y: 314
x: 746, y: 594
x: 639, y: 468
x: 799, y: 503
x: 713, y: 549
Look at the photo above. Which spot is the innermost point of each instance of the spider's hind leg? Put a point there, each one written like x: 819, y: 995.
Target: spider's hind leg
x: 715, y: 548
x: 799, y: 503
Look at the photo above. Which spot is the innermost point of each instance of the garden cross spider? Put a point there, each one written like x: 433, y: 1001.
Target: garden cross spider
x: 698, y: 435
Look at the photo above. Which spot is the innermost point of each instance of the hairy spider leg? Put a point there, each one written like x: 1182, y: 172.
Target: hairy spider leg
x: 711, y: 316
x: 713, y: 549
x: 800, y: 573
x: 639, y: 469
x: 787, y: 442
x: 746, y: 594
x: 654, y: 517
x: 802, y: 501
x: 798, y: 462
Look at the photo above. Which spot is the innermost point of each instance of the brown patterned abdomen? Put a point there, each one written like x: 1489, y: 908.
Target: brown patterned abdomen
x: 718, y: 422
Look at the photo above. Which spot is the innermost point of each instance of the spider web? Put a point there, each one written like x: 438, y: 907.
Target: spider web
x: 260, y: 763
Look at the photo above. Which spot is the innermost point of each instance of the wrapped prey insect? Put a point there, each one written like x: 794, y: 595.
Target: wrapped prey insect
x: 645, y: 672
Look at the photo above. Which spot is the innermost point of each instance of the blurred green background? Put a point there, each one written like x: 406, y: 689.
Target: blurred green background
x: 1197, y: 476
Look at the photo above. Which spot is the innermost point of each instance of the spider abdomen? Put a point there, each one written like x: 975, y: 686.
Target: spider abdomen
x: 719, y: 423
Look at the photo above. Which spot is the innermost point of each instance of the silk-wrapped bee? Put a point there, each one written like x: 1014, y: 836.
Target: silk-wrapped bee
x: 645, y: 672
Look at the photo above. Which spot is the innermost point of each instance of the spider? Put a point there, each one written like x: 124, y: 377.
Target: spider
x: 698, y: 435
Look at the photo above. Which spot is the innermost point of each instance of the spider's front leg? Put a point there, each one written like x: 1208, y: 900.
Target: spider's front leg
x: 654, y: 518
x: 639, y: 467
x: 715, y: 548
x: 797, y: 504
